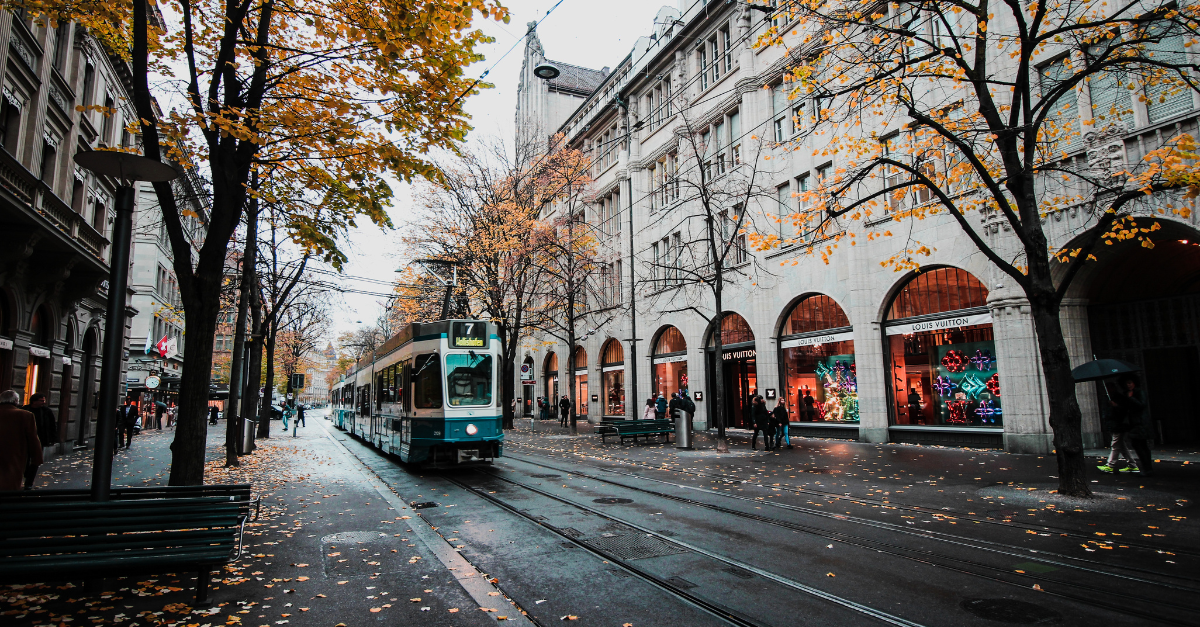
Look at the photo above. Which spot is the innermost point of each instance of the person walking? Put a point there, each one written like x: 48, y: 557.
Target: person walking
x: 160, y: 408
x: 1116, y: 421
x: 171, y: 415
x: 660, y: 407
x: 212, y: 415
x: 300, y: 416
x: 782, y: 422
x: 543, y: 409
x: 649, y: 412
x: 20, y: 447
x: 1141, y: 425
x: 126, y: 420
x: 47, y: 431
x: 564, y: 411
x: 762, y: 423
x: 810, y: 406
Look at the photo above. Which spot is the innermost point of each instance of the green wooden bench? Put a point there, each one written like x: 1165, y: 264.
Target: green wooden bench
x: 56, y: 537
x: 609, y: 427
x: 647, y: 428
x: 239, y: 492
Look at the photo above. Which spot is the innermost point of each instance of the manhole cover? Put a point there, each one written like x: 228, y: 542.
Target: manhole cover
x: 1012, y: 611
x: 634, y: 546
x: 425, y: 505
x: 611, y: 500
x: 545, y: 476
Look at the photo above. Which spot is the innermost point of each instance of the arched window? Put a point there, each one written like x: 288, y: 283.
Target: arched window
x: 581, y: 381
x: 550, y: 383
x: 580, y: 358
x: 37, y: 371
x: 935, y: 291
x: 669, y: 363
x: 942, y: 353
x: 612, y: 377
x: 816, y: 355
x: 734, y: 330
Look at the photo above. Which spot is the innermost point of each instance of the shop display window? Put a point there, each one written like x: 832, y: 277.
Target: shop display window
x: 612, y: 365
x: 817, y: 359
x: 947, y: 378
x: 669, y: 359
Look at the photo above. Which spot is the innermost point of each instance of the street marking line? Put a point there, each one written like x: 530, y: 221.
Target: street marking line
x: 469, y: 577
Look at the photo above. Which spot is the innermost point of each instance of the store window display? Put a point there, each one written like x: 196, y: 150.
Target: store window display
x: 669, y: 359
x: 612, y: 378
x: 817, y: 358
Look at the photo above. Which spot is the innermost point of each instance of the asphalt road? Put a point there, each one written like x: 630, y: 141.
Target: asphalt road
x: 608, y: 540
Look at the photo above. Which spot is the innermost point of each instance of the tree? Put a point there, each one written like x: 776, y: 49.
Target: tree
x: 708, y: 206
x: 567, y: 259
x: 354, y: 87
x: 973, y: 111
x: 481, y: 214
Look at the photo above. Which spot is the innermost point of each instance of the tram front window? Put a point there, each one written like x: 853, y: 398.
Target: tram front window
x: 469, y: 379
x: 427, y: 382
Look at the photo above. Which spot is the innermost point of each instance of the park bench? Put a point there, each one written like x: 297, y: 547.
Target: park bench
x: 635, y: 428
x: 239, y: 492
x: 57, y: 536
x: 609, y: 427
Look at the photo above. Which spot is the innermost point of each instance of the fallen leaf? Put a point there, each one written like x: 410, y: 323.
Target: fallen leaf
x: 342, y: 583
x: 493, y: 594
x: 416, y: 600
x: 1038, y: 588
x: 301, y: 578
x: 569, y: 617
x: 830, y: 575
x: 376, y: 609
x: 454, y: 610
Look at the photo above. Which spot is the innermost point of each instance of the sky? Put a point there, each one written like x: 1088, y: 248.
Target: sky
x: 575, y: 32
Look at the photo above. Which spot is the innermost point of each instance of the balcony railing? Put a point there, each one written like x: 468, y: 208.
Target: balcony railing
x: 22, y: 184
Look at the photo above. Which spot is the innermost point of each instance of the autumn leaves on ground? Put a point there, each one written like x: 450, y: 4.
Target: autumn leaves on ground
x: 304, y: 561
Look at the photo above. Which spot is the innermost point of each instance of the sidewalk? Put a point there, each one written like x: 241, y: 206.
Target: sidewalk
x: 1001, y: 486
x: 329, y: 549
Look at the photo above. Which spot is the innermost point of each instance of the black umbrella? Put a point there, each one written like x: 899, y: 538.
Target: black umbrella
x: 1102, y: 369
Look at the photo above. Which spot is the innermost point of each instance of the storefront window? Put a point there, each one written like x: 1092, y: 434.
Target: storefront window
x: 612, y: 366
x: 581, y: 382
x: 943, y: 362
x: 817, y: 357
x: 669, y: 359
x: 550, y: 387
x: 739, y: 359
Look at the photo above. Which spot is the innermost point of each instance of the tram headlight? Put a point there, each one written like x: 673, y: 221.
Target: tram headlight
x: 472, y: 429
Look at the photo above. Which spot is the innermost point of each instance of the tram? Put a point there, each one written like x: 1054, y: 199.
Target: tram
x: 428, y: 395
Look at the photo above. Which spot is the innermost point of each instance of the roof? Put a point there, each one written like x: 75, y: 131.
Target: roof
x: 576, y: 78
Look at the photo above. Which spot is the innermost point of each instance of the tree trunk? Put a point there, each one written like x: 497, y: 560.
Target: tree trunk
x: 236, y: 366
x: 191, y: 431
x: 264, y: 416
x: 1066, y: 419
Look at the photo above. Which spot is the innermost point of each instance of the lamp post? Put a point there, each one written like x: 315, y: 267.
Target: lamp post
x: 127, y: 169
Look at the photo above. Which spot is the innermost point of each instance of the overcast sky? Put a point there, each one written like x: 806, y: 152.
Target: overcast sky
x: 575, y: 32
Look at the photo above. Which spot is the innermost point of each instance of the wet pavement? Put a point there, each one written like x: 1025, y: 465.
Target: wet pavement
x: 566, y: 528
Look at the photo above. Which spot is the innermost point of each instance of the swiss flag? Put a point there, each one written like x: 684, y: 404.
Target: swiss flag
x: 161, y: 346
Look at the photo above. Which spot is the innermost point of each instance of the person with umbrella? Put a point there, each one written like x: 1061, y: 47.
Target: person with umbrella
x: 160, y: 408
x: 1127, y: 418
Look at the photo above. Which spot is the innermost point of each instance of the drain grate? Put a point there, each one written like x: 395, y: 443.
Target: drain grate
x: 425, y: 505
x: 633, y: 546
x: 1011, y: 611
x: 610, y: 500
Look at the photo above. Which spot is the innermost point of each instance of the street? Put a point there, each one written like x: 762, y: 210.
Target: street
x: 564, y: 528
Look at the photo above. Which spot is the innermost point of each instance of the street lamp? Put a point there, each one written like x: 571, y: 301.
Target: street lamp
x: 127, y: 169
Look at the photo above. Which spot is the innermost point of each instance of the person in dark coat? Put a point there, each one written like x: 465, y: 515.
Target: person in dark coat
x: 300, y: 415
x: 660, y: 407
x: 212, y: 414
x: 19, y: 445
x: 762, y: 422
x: 564, y: 411
x: 47, y: 431
x: 126, y: 420
x: 159, y: 410
x: 780, y: 417
x: 1128, y: 399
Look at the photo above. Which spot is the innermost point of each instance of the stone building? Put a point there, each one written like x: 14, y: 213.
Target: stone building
x: 56, y: 218
x: 855, y: 350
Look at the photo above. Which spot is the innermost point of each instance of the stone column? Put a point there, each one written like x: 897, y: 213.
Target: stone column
x: 1074, y: 320
x: 863, y: 309
x: 1022, y: 392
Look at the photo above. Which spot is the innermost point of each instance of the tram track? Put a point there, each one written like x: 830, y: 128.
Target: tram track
x: 922, y: 556
x: 715, y: 609
x: 866, y: 500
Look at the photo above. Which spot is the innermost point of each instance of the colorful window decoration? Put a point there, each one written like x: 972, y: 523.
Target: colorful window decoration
x: 817, y: 358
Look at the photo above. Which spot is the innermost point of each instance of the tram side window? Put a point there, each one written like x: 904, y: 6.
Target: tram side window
x: 403, y: 374
x: 469, y: 379
x: 427, y: 382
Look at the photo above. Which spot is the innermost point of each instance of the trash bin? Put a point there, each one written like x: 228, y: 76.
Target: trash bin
x: 683, y: 430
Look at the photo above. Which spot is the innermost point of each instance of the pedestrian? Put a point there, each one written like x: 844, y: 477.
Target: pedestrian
x: 543, y: 409
x: 171, y: 415
x: 649, y: 412
x: 212, y: 414
x: 675, y: 407
x: 126, y: 421
x: 564, y: 411
x: 43, y: 417
x: 810, y: 406
x: 914, y: 407
x: 160, y: 408
x: 782, y: 423
x: 20, y: 447
x: 762, y: 423
x: 660, y: 407
x: 1141, y: 426
x: 1116, y: 421
x: 300, y: 415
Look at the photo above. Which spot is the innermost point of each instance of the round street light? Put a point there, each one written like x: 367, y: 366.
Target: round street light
x: 546, y: 71
x: 126, y: 168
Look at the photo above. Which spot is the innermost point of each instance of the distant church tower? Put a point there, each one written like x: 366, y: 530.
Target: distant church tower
x: 543, y: 105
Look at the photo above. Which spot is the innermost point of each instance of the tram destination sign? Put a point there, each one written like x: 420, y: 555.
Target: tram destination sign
x: 468, y: 335
x: 952, y: 322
